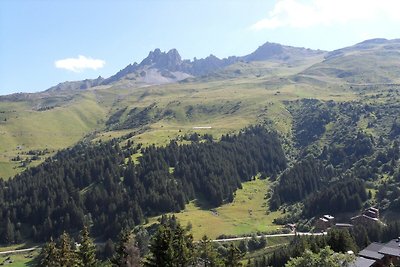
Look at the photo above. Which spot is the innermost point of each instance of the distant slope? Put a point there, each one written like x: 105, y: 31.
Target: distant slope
x: 278, y: 52
x: 44, y: 125
x: 371, y: 61
x: 82, y: 85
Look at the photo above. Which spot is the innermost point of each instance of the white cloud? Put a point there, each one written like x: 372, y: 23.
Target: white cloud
x: 79, y: 64
x: 307, y: 13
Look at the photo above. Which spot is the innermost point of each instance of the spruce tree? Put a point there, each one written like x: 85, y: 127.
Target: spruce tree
x: 87, y: 249
x: 127, y: 254
x: 233, y: 257
x: 49, y: 256
x: 68, y: 257
x: 207, y: 255
x: 183, y: 247
x: 161, y: 248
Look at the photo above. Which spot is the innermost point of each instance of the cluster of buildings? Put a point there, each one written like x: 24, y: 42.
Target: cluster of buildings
x: 369, y: 217
x: 379, y: 255
x: 376, y: 254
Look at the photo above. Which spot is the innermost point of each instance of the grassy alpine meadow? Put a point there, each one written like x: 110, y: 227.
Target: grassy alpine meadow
x: 27, y: 128
x: 248, y: 213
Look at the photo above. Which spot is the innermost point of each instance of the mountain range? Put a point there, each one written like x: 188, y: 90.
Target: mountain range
x: 168, y: 67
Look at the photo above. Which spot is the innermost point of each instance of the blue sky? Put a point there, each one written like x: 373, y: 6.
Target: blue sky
x: 44, y: 42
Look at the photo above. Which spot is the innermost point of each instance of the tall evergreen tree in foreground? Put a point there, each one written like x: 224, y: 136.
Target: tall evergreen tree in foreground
x: 207, y: 255
x: 49, y: 255
x: 127, y: 254
x: 171, y: 246
x: 67, y: 255
x: 233, y: 256
x: 87, y: 249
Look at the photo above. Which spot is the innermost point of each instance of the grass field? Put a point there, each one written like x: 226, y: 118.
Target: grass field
x: 248, y: 213
x: 18, y: 260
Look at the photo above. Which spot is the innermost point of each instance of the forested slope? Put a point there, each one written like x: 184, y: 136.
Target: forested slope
x: 100, y: 184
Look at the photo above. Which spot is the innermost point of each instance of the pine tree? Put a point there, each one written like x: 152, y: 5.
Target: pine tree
x: 87, y: 249
x: 183, y: 247
x: 49, y: 256
x: 68, y: 257
x: 207, y: 255
x: 233, y: 257
x: 127, y: 254
x: 9, y: 232
x: 161, y: 248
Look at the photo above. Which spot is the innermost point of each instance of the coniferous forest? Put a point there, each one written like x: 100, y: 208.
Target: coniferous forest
x: 117, y: 184
x: 101, y: 185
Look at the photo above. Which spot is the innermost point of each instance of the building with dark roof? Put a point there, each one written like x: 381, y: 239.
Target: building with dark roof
x: 370, y: 217
x: 381, y: 254
x: 372, y: 251
x: 362, y: 262
x: 343, y: 225
x: 391, y: 251
x: 324, y: 222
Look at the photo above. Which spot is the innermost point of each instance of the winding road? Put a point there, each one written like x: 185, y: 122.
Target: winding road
x: 16, y: 251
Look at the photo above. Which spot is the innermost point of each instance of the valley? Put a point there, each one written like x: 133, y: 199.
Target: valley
x: 231, y: 147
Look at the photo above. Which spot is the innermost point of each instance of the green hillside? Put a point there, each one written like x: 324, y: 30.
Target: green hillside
x: 41, y: 125
x: 242, y: 94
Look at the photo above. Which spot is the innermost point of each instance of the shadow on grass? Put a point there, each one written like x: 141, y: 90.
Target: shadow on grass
x: 202, y: 203
x: 33, y: 262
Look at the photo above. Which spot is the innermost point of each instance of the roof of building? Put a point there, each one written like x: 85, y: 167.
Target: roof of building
x: 374, y: 209
x: 391, y: 248
x: 323, y: 219
x: 362, y: 262
x: 329, y: 217
x: 365, y: 216
x: 343, y: 225
x: 372, y: 213
x: 372, y: 251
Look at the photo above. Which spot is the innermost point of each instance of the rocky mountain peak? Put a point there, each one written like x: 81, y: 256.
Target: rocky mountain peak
x: 161, y: 60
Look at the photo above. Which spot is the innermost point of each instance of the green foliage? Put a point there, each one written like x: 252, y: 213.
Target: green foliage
x: 207, y: 255
x: 49, y: 256
x: 87, y: 249
x: 93, y: 178
x: 310, y: 116
x: 347, y: 195
x: 305, y: 177
x: 326, y: 257
x: 340, y: 240
x: 256, y: 243
x: 233, y: 256
x: 171, y: 246
x: 127, y: 254
x: 67, y: 255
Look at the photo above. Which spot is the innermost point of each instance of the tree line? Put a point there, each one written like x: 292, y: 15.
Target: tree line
x: 171, y: 245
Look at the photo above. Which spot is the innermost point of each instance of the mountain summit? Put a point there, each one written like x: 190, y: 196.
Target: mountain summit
x: 161, y: 60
